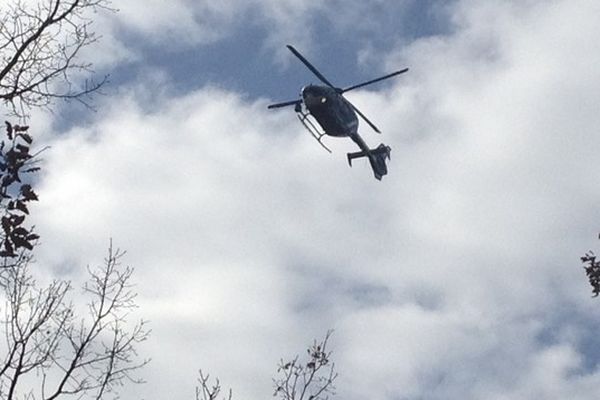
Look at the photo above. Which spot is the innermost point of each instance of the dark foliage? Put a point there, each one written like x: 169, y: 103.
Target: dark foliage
x: 16, y: 161
x: 592, y: 270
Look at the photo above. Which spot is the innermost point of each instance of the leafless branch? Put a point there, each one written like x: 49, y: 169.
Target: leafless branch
x: 39, y: 48
x: 312, y: 379
x: 87, y: 357
x: 206, y: 391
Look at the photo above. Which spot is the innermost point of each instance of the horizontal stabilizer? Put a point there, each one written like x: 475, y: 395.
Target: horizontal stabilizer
x: 382, y: 149
x: 377, y: 158
x: 352, y: 156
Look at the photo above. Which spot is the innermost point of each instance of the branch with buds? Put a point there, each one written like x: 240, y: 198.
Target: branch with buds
x: 39, y: 47
x: 312, y: 379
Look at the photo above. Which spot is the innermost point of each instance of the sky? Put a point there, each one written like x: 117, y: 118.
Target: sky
x: 455, y: 277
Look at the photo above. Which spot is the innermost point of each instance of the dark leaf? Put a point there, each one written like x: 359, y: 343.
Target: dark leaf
x: 21, y: 128
x: 5, y: 253
x: 20, y: 231
x: 7, y: 180
x: 21, y: 242
x: 33, y: 236
x: 6, y: 224
x: 21, y: 206
x: 28, y: 193
x: 17, y: 220
x: 26, y: 137
x: 9, y: 130
x: 8, y: 246
x: 23, y: 149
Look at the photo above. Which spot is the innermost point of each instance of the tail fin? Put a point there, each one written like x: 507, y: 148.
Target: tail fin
x: 376, y: 157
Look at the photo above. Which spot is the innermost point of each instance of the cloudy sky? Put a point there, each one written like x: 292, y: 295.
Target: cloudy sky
x: 456, y: 277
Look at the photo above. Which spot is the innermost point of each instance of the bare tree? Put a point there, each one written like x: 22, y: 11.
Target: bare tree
x: 310, y: 379
x: 206, y: 391
x: 39, y: 44
x: 52, y: 348
x: 51, y: 352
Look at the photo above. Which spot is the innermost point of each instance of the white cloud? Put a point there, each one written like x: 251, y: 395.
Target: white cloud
x: 440, y: 280
x: 178, y: 23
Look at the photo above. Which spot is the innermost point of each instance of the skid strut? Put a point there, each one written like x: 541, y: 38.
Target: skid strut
x: 311, y: 126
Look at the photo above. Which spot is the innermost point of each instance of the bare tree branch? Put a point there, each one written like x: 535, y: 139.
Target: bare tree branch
x: 310, y: 380
x: 39, y: 48
x: 88, y: 357
x: 206, y: 391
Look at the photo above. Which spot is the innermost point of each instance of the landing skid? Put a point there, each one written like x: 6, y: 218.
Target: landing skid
x: 311, y: 127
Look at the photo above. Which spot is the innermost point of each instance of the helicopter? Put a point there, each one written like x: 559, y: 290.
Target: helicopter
x: 336, y: 116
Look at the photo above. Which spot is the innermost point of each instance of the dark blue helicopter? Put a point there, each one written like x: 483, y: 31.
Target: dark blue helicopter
x: 336, y: 116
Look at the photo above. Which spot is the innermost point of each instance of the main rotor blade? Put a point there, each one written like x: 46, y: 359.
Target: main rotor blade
x: 364, y: 117
x: 310, y: 66
x: 374, y: 80
x: 285, y: 104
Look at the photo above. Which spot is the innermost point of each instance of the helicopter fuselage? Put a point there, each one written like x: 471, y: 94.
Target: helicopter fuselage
x: 331, y: 110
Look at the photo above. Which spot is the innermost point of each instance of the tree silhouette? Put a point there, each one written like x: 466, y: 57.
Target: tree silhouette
x: 312, y: 378
x: 16, y: 160
x: 207, y: 391
x: 39, y: 47
x: 592, y: 270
